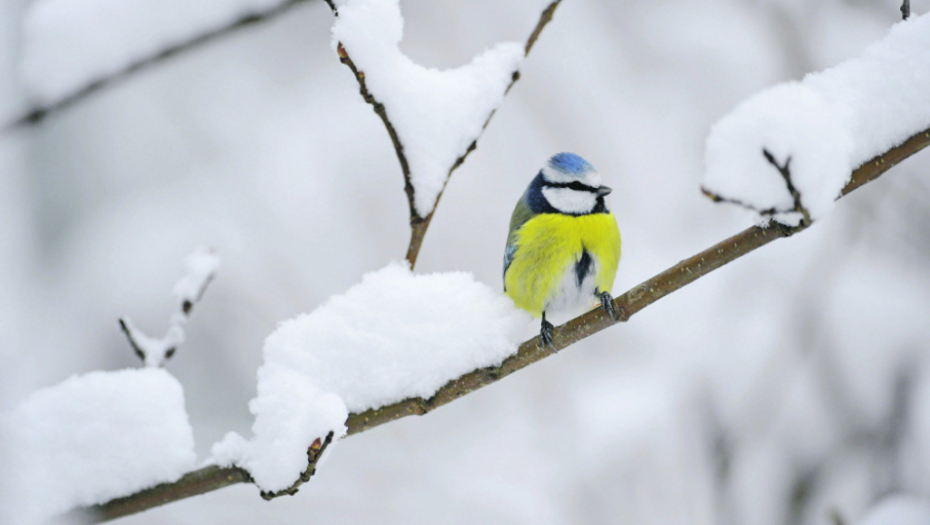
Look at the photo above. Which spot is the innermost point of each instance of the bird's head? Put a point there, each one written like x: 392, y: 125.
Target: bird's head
x: 571, y: 185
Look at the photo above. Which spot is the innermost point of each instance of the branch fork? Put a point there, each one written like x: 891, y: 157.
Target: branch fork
x: 201, y: 268
x: 785, y: 171
x: 419, y: 224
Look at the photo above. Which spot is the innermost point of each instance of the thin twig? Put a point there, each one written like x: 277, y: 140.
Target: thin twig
x: 785, y: 171
x: 676, y: 277
x: 418, y: 224
x: 314, y: 454
x: 906, y: 9
x: 201, y: 267
x: 720, y: 198
x: 37, y: 113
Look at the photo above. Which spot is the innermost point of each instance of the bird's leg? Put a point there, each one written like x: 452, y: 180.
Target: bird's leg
x: 608, y: 303
x: 545, y: 334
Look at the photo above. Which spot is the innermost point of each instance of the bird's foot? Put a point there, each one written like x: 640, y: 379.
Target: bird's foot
x: 607, y: 302
x: 545, y: 335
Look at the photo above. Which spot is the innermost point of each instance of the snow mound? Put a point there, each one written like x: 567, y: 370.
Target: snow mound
x: 394, y: 336
x: 97, y: 437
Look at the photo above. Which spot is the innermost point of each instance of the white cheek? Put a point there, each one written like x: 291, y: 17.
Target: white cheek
x: 567, y: 200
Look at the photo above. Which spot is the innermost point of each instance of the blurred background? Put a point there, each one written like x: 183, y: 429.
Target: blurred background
x: 791, y: 386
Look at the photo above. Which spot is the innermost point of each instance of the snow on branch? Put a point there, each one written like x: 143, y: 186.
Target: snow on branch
x: 633, y: 301
x: 434, y: 118
x: 825, y: 126
x: 73, y: 49
x: 201, y: 267
x: 394, y: 336
x: 93, y: 438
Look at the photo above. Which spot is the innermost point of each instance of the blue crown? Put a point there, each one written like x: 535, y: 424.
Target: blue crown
x: 570, y: 163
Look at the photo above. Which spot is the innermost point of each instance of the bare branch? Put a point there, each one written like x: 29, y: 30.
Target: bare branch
x: 124, y: 325
x: 195, y: 483
x: 906, y: 9
x: 37, y: 113
x: 676, y: 277
x: 419, y: 225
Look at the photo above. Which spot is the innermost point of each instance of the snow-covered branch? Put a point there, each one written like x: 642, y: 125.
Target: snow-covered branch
x: 201, y: 267
x: 814, y: 132
x: 631, y: 302
x: 434, y: 118
x: 212, y: 478
x: 82, y: 87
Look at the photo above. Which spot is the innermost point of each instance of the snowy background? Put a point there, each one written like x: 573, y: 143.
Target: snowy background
x: 790, y: 385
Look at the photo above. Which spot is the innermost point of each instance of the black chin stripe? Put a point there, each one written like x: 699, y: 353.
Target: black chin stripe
x: 577, y: 186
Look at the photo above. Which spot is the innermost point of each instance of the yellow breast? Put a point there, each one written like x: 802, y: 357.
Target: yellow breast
x: 549, y: 245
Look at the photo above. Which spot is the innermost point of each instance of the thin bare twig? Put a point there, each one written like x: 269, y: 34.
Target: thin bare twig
x: 676, y: 277
x: 906, y: 9
x: 785, y: 171
x: 39, y: 112
x: 419, y: 225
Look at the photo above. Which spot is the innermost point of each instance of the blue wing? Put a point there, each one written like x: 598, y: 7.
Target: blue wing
x: 509, y: 253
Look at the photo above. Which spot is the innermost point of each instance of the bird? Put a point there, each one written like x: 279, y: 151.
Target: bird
x: 563, y: 247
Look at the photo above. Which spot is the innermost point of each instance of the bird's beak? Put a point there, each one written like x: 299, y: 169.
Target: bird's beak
x: 603, y: 190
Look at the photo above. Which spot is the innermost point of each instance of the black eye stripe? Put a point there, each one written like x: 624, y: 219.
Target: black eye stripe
x: 577, y: 186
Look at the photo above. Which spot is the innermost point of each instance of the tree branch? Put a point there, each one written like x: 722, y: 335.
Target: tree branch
x: 419, y: 225
x: 531, y: 351
x: 195, y: 483
x: 785, y: 171
x: 906, y: 9
x: 37, y: 113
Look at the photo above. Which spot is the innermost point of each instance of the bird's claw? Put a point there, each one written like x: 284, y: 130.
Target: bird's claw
x: 545, y: 335
x: 607, y: 302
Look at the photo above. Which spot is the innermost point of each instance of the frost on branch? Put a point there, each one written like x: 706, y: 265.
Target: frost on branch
x: 394, y: 336
x: 93, y: 438
x: 821, y: 128
x: 201, y: 266
x: 437, y: 115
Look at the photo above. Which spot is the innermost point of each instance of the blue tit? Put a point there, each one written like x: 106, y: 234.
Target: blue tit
x: 563, y: 247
